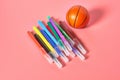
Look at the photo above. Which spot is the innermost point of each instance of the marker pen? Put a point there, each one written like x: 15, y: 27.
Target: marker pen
x: 62, y: 46
x: 54, y: 46
x: 42, y: 50
x: 73, y: 40
x: 56, y: 61
x: 45, y: 41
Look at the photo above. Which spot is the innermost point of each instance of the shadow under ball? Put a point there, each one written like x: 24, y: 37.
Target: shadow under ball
x: 77, y: 17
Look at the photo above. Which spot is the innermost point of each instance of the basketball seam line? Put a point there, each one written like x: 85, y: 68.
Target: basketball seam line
x: 76, y: 16
x: 84, y: 20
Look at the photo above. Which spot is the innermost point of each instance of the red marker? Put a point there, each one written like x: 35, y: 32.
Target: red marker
x: 43, y: 52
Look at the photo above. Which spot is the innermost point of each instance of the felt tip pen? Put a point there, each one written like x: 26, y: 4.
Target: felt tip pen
x: 46, y: 30
x: 60, y: 34
x: 61, y: 45
x: 54, y: 46
x: 73, y: 40
x: 42, y: 50
x: 45, y: 41
x: 56, y: 61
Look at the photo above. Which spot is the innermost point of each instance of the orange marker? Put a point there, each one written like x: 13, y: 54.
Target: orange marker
x: 43, y: 52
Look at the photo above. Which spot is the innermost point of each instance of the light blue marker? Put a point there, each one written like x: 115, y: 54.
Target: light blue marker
x: 54, y: 46
x: 46, y: 30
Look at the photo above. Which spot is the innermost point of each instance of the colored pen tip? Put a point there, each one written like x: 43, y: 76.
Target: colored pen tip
x: 57, y: 62
x: 49, y: 59
x: 64, y: 57
x: 82, y: 49
x: 48, y: 17
x: 79, y: 54
x: 39, y: 21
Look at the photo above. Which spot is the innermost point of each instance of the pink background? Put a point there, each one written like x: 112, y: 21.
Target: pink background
x: 20, y: 58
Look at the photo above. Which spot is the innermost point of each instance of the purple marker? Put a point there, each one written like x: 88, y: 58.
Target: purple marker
x: 60, y: 34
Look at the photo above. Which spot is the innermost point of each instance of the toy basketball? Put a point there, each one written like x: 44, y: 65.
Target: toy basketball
x: 77, y: 17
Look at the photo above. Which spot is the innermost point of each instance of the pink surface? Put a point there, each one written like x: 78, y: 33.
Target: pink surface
x: 20, y: 58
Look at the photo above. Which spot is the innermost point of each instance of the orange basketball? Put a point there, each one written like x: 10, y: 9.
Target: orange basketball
x: 77, y: 17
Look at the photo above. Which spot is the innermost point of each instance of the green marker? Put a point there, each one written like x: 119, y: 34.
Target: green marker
x: 61, y: 45
x: 65, y: 34
x: 53, y: 30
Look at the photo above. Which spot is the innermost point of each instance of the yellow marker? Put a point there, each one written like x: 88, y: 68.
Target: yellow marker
x: 45, y: 41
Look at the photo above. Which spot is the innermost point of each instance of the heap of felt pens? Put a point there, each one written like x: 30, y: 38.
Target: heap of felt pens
x: 56, y: 40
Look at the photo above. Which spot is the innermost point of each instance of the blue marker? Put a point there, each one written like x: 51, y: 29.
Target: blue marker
x: 54, y: 46
x: 46, y: 30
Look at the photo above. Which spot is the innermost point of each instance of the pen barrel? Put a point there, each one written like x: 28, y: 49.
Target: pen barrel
x: 60, y: 45
x: 50, y: 41
x: 63, y: 31
x: 57, y: 30
x: 53, y: 30
x: 65, y: 27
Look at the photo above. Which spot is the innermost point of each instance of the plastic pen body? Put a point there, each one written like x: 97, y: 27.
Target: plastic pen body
x: 54, y: 46
x: 50, y: 35
x: 45, y: 41
x: 43, y: 52
x: 56, y: 61
x: 61, y: 45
